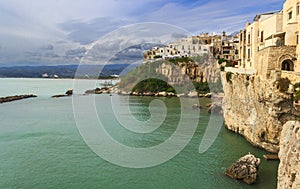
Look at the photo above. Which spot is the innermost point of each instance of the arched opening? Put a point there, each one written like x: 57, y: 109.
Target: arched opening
x: 287, y: 65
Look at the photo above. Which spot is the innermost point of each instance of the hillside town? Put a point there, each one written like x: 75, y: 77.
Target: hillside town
x: 269, y: 43
x: 221, y: 46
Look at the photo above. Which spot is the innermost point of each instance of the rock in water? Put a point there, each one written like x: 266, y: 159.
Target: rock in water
x: 215, y: 108
x: 69, y: 92
x: 246, y: 169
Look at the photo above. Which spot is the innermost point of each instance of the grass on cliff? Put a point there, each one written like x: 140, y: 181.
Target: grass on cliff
x: 140, y: 73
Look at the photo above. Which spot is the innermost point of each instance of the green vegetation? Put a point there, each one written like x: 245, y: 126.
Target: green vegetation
x: 181, y: 59
x: 201, y: 88
x: 152, y: 85
x: 222, y: 68
x: 297, y: 85
x: 297, y: 92
x: 297, y: 96
x: 157, y: 56
x: 141, y: 73
x: 228, y: 77
x: 221, y: 60
x: 283, y: 84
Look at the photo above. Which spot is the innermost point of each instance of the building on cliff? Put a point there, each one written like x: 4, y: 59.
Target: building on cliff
x: 229, y: 48
x: 187, y: 47
x: 271, y: 43
x: 221, y: 46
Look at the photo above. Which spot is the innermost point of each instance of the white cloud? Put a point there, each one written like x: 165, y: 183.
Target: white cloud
x: 26, y: 26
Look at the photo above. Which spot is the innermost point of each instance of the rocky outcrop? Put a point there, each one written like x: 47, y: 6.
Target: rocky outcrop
x: 105, y: 90
x: 16, y: 97
x: 246, y: 169
x: 255, y: 108
x: 67, y: 93
x: 289, y: 155
x: 194, y: 71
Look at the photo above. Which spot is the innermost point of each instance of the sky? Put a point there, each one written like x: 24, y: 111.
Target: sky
x: 56, y: 32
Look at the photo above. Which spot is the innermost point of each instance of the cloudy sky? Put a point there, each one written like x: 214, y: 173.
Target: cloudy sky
x: 53, y: 32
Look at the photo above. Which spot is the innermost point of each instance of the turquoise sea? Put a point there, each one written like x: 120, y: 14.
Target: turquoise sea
x: 41, y: 146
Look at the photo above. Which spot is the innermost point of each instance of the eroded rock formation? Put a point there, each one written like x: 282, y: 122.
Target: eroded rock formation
x: 255, y: 108
x: 246, y: 169
x: 289, y: 155
x: 206, y: 72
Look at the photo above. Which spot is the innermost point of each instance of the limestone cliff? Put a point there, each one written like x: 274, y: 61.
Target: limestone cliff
x: 205, y: 72
x: 289, y: 155
x: 180, y: 72
x: 254, y: 108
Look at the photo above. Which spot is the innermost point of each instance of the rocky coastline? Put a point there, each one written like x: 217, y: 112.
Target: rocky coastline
x: 15, y: 97
x: 257, y: 109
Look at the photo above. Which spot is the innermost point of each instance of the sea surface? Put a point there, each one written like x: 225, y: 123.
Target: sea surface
x: 42, y: 147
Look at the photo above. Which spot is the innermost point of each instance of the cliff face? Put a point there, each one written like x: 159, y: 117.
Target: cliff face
x: 255, y: 108
x: 289, y: 155
x: 207, y: 72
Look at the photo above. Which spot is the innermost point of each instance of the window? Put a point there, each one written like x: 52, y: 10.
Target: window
x: 249, y: 51
x: 262, y: 36
x: 290, y: 15
x: 297, y: 10
x: 297, y: 39
x: 249, y: 39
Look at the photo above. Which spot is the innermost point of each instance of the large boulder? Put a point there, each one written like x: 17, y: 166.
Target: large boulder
x: 246, y: 169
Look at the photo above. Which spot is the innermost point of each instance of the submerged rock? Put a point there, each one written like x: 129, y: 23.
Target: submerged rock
x: 246, y: 169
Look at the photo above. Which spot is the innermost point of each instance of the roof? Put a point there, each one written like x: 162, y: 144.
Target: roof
x: 258, y: 16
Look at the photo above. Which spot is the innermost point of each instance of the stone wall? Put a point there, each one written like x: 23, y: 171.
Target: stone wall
x: 271, y: 58
x: 289, y: 155
x: 254, y: 108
